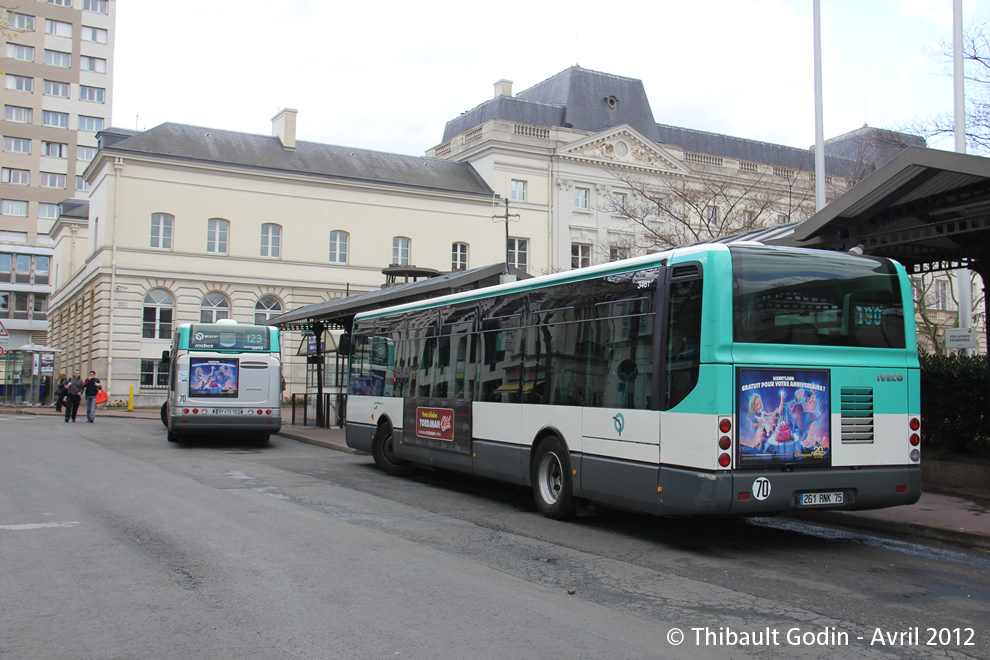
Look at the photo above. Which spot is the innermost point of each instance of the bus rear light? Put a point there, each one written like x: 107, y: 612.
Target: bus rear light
x: 259, y: 412
x: 901, y: 489
x: 724, y: 460
x: 185, y: 411
x: 915, y: 439
x: 915, y: 424
x: 915, y: 455
x: 724, y: 442
x: 195, y: 411
x: 725, y: 425
x: 268, y: 412
x: 744, y: 495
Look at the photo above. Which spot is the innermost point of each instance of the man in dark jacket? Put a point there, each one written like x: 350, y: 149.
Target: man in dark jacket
x: 73, y: 391
x: 92, y: 385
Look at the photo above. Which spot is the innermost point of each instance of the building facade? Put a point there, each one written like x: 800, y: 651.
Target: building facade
x: 187, y: 224
x: 57, y: 94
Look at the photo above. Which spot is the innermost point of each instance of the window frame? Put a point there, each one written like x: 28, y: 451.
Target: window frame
x: 217, y: 236
x: 459, y: 256
x: 263, y: 312
x: 216, y: 305
x: 517, y: 190
x: 271, y: 240
x: 165, y: 225
x: 582, y: 198
x: 515, y: 248
x: 339, y: 240
x: 158, y: 301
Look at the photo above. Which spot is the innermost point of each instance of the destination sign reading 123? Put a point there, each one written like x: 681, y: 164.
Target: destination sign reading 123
x: 229, y: 340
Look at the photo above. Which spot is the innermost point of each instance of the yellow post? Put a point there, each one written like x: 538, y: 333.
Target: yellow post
x: 130, y: 400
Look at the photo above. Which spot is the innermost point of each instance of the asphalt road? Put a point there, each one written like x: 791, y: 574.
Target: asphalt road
x: 117, y: 544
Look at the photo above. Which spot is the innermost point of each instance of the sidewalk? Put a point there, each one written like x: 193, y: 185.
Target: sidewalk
x: 945, y: 514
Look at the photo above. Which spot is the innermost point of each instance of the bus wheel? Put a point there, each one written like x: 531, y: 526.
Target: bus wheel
x: 165, y: 414
x: 552, y: 481
x: 381, y: 450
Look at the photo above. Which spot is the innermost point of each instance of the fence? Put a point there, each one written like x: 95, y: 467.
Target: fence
x: 334, y: 408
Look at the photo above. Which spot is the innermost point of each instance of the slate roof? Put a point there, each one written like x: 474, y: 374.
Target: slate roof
x: 265, y: 152
x: 578, y: 98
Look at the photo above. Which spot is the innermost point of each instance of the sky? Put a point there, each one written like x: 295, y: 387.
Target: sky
x: 388, y: 75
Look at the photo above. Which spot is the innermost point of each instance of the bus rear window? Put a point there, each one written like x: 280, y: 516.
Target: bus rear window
x: 816, y: 298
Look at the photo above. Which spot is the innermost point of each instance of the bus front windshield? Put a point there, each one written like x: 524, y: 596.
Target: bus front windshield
x: 817, y: 298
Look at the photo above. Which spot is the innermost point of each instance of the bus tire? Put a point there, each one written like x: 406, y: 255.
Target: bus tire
x: 381, y: 450
x: 165, y: 414
x: 551, y: 478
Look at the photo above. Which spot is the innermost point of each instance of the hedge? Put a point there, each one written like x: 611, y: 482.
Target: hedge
x: 954, y: 411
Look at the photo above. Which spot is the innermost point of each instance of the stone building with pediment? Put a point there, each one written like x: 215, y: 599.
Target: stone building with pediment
x: 583, y: 149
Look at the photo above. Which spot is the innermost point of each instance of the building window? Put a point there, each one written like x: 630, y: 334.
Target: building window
x: 20, y: 21
x: 616, y: 253
x: 52, y: 180
x: 96, y: 35
x: 55, y: 119
x: 941, y: 295
x: 216, y: 236
x: 618, y: 202
x: 53, y: 88
x: 6, y: 260
x: 17, y: 114
x: 781, y: 219
x: 22, y: 275
x: 90, y: 123
x: 271, y: 240
x: 213, y: 308
x: 42, y: 264
x: 54, y: 149
x: 459, y: 256
x: 157, y: 319
x: 516, y: 251
x: 518, y: 193
x: 98, y: 6
x: 580, y: 255
x: 20, y: 306
x: 19, y: 83
x: 14, y: 207
x: 39, y: 311
x: 85, y: 153
x: 93, y: 94
x: 82, y: 183
x: 161, y: 230
x: 400, y: 251
x: 711, y: 215
x: 94, y: 64
x: 58, y: 28
x: 338, y: 247
x: 58, y: 58
x: 581, y: 196
x: 18, y: 52
x: 266, y: 308
x: 154, y: 374
x: 748, y: 217
x: 16, y: 177
x: 47, y: 211
x: 17, y: 145
x: 4, y: 305
x: 62, y: 3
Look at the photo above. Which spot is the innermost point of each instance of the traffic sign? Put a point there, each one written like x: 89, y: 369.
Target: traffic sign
x: 4, y: 335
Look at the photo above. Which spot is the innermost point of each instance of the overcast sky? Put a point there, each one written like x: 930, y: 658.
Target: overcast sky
x: 388, y: 75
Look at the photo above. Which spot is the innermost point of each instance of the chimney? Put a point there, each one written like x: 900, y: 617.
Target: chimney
x: 284, y: 128
x: 503, y: 87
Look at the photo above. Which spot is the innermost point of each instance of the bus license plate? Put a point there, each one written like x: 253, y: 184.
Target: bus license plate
x: 227, y: 411
x: 818, y: 499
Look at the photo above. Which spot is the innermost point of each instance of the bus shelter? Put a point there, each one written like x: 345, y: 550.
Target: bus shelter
x: 325, y: 326
x: 28, y: 376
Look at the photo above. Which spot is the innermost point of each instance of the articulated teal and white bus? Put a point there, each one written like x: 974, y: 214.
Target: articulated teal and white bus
x: 223, y: 377
x: 715, y: 380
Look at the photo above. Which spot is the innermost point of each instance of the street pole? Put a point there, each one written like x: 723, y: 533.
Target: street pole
x: 506, y: 218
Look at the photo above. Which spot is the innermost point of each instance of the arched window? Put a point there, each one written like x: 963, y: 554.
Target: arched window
x: 214, y: 307
x: 338, y: 247
x: 217, y: 231
x: 266, y: 308
x: 158, y: 308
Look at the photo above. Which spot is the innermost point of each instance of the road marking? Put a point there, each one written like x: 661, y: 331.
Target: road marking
x: 38, y: 525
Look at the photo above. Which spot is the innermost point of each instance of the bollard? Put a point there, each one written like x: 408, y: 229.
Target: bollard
x: 130, y: 399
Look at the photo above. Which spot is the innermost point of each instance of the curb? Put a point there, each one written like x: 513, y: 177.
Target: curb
x: 319, y: 443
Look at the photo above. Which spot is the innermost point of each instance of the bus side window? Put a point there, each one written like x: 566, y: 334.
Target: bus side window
x: 683, y: 340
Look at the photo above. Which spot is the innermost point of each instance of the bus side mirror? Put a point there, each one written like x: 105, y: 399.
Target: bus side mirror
x: 344, y: 345
x: 165, y: 356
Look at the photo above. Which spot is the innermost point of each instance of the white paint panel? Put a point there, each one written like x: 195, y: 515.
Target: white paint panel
x: 689, y: 440
x: 890, y: 444
x: 500, y: 422
x: 369, y: 409
x: 621, y: 449
x: 565, y: 419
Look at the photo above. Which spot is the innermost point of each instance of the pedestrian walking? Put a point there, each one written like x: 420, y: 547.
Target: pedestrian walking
x: 73, y: 391
x: 92, y: 386
x: 60, y: 391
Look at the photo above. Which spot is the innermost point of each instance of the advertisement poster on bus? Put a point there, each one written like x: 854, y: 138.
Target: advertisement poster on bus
x: 437, y: 423
x: 784, y: 417
x: 213, y: 377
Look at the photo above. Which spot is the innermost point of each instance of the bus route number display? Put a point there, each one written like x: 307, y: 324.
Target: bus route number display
x: 239, y: 339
